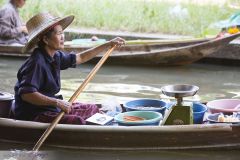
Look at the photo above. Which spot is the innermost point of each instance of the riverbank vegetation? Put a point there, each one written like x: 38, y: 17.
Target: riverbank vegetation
x: 185, y: 17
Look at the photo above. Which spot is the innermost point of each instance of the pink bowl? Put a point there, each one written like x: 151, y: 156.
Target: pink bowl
x: 224, y: 105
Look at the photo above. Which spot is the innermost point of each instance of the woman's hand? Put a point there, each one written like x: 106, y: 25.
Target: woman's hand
x: 117, y: 41
x: 23, y: 29
x: 64, y: 106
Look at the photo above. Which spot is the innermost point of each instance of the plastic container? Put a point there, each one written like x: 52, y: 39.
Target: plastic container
x: 226, y: 106
x: 146, y: 105
x: 150, y: 118
x: 199, y: 110
x: 6, y: 100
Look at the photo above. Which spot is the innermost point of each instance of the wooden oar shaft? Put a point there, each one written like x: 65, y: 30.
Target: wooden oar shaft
x: 91, y: 74
x: 72, y: 99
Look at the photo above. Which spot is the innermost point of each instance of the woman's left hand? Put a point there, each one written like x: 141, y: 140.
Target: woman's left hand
x: 117, y: 41
x: 64, y: 105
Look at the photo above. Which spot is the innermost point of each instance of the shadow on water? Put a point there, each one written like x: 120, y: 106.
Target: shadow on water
x: 50, y: 153
x: 147, y: 155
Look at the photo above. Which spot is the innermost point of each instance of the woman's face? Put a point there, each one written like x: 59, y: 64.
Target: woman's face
x: 56, y: 39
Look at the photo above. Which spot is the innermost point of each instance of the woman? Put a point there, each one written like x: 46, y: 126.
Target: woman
x: 12, y: 30
x: 39, y: 77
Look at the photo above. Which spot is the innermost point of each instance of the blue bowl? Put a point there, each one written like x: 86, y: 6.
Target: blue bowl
x: 151, y: 118
x: 146, y: 105
x: 199, y: 110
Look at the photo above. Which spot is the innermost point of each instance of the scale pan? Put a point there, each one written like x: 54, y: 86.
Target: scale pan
x: 180, y: 90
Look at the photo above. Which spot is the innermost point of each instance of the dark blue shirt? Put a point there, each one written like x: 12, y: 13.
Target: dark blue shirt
x: 40, y: 73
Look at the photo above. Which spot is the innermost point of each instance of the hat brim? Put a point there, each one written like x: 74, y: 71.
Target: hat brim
x: 34, y: 39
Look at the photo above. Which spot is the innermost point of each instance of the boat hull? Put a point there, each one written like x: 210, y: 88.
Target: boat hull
x: 204, y: 136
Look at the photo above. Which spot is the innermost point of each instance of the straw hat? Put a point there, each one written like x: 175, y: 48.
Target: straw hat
x: 39, y: 25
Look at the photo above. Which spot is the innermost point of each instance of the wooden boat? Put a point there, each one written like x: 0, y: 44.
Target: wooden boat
x: 132, y: 46
x: 167, y: 53
x: 229, y: 55
x: 201, y: 136
x: 177, y: 53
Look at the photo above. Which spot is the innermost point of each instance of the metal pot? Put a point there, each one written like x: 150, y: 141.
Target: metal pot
x: 6, y: 100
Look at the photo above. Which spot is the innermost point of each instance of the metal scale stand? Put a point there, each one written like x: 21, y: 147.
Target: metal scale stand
x: 181, y: 113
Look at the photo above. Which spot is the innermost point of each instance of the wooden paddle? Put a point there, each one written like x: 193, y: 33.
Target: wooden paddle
x: 73, y: 98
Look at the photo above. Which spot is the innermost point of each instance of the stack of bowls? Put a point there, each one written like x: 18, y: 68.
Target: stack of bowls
x: 223, y: 107
x: 150, y: 112
x: 226, y: 106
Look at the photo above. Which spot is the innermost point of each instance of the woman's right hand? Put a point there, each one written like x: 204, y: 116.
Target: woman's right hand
x: 64, y: 105
x: 117, y: 41
x: 23, y: 29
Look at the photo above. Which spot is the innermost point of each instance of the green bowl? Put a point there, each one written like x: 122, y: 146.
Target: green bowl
x: 151, y: 118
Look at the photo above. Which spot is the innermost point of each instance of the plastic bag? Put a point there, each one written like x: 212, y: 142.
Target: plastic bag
x: 111, y: 106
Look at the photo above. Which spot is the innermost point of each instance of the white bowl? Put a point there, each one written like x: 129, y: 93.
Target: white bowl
x: 224, y: 105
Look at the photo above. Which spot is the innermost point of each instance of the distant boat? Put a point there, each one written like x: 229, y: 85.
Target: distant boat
x: 228, y: 55
x: 156, y: 52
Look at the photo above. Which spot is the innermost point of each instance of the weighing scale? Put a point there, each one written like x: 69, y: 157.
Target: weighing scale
x: 181, y: 113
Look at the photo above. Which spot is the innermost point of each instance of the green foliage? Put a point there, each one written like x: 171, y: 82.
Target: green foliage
x: 134, y: 15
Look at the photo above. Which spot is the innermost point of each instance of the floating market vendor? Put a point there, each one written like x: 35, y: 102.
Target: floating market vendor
x: 38, y: 79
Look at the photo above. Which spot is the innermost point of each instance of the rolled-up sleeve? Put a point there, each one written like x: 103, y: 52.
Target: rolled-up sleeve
x: 67, y: 60
x: 31, y: 79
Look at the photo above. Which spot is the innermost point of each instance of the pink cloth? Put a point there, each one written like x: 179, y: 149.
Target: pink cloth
x: 78, y: 114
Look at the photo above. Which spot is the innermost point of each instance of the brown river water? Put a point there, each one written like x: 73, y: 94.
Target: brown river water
x: 121, y: 83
